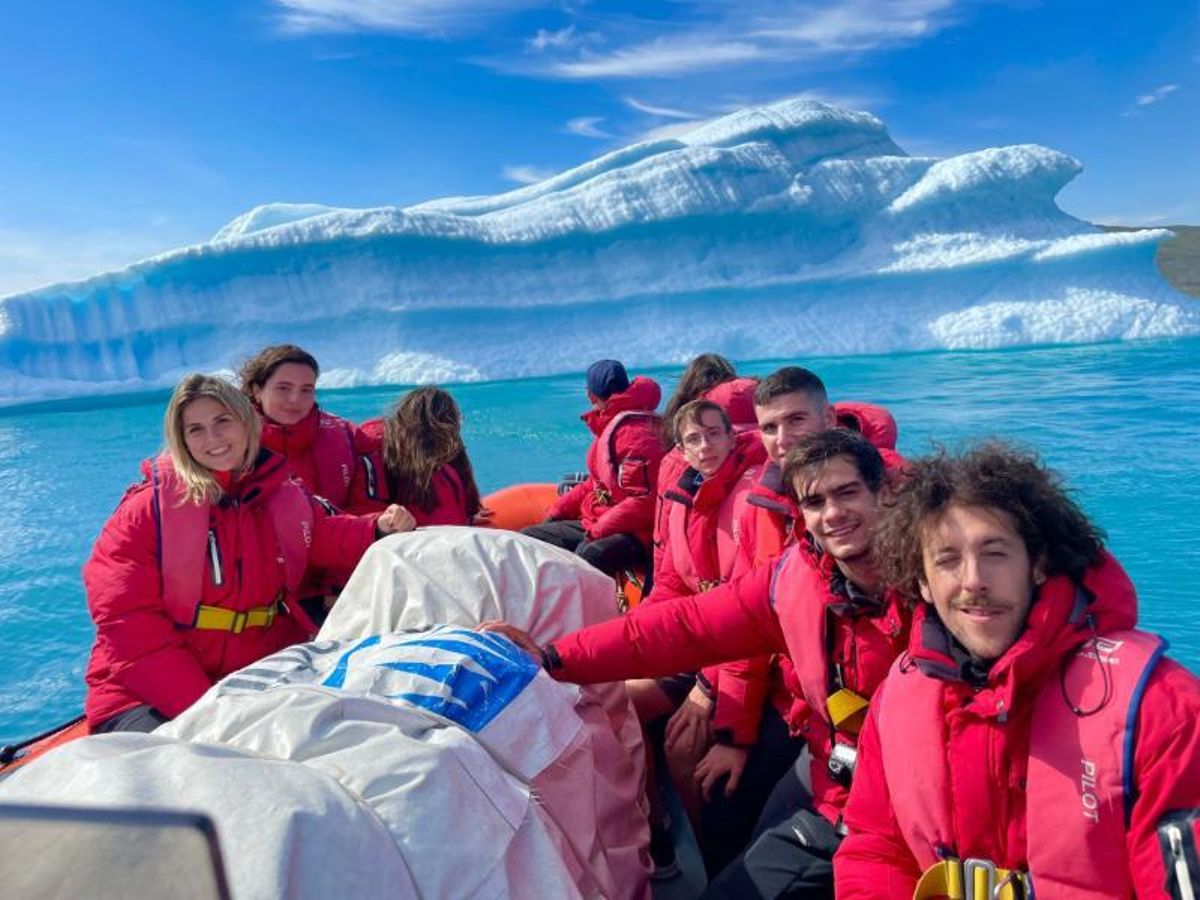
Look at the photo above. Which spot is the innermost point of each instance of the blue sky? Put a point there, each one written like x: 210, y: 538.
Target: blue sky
x: 134, y: 127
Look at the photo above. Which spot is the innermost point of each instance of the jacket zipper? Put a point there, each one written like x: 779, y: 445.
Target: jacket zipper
x: 1182, y: 875
x: 214, y: 558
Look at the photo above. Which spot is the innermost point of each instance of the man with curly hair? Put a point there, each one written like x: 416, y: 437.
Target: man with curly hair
x: 1032, y: 739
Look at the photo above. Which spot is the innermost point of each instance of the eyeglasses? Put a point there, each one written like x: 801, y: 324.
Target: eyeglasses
x: 696, y: 439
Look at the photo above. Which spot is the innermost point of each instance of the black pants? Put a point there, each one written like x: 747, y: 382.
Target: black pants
x: 728, y: 823
x: 610, y: 555
x: 140, y: 718
x: 791, y: 855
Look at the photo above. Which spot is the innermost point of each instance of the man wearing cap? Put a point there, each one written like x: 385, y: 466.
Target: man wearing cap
x: 608, y: 518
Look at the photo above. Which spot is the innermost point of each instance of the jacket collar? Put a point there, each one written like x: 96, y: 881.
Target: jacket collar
x: 1063, y: 615
x: 642, y: 394
x: 291, y: 439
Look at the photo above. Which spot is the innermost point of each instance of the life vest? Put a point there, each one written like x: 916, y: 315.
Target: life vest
x: 185, y: 540
x: 333, y: 457
x: 679, y: 541
x: 773, y: 515
x: 800, y: 594
x: 1080, y: 774
x: 619, y: 476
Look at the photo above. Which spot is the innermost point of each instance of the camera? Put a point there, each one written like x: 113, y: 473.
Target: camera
x: 841, y: 764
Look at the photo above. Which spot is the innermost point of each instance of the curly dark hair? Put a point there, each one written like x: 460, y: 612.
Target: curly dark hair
x: 814, y: 449
x: 996, y: 475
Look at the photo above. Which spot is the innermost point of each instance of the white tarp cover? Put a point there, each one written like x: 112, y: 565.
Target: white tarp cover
x: 399, y: 755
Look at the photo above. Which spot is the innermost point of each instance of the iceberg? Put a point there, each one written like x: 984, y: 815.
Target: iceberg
x: 795, y: 229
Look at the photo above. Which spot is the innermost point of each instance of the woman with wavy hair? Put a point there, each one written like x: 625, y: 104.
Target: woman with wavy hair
x: 198, y: 571
x: 416, y: 457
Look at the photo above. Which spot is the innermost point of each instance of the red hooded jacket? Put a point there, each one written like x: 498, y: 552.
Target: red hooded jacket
x: 745, y: 618
x: 370, y: 490
x: 617, y: 497
x: 736, y: 397
x: 140, y: 654
x: 320, y: 450
x: 987, y: 740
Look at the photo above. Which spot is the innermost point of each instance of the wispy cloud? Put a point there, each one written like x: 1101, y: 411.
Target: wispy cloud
x: 1155, y: 96
x: 661, y: 111
x: 858, y: 24
x: 558, y: 40
x: 585, y: 126
x: 428, y: 17
x: 714, y: 36
x: 527, y: 174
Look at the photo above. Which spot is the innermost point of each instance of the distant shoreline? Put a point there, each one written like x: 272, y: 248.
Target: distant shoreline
x: 1178, y: 260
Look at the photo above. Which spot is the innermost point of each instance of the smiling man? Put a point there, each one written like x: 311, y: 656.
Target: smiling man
x: 824, y: 605
x: 1034, y: 740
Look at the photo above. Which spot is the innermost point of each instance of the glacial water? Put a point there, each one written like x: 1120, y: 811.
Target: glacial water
x: 1120, y: 420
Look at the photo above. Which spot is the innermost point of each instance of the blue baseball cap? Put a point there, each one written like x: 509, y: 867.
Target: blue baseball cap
x: 606, y: 377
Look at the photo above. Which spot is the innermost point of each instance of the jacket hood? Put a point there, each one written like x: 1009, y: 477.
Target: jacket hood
x: 875, y: 423
x: 642, y: 394
x: 736, y: 397
x: 1064, y: 615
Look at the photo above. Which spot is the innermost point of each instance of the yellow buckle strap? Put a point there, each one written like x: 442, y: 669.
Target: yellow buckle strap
x: 847, y: 710
x: 217, y: 618
x: 971, y: 879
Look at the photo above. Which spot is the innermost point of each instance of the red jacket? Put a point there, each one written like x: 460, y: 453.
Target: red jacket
x: 370, y: 491
x: 736, y: 397
x: 141, y: 655
x: 739, y: 620
x: 320, y: 450
x: 987, y: 738
x: 695, y: 513
x: 704, y: 519
x: 617, y: 497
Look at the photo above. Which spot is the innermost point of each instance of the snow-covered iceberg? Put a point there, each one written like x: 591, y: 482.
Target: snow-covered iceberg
x: 792, y: 229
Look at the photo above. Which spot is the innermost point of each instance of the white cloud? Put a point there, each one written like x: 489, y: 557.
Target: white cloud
x: 527, y: 174
x: 1155, y: 96
x: 858, y: 24
x: 585, y: 126
x: 663, y: 111
x: 414, y: 16
x: 660, y: 57
x: 710, y: 35
x: 558, y: 40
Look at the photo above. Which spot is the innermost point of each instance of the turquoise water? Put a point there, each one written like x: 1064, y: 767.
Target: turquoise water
x: 1121, y: 421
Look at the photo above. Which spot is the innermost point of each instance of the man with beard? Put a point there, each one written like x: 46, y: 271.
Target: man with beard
x: 1031, y: 740
x: 825, y: 606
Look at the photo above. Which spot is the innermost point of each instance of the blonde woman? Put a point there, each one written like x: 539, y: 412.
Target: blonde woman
x: 196, y: 573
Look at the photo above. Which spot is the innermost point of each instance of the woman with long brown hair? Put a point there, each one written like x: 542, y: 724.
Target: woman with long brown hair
x: 416, y: 457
